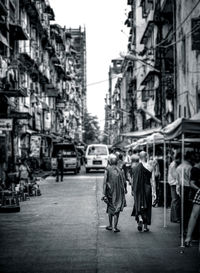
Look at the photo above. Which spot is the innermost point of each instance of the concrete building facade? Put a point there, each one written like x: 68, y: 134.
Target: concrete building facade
x: 42, y: 81
x: 163, y: 54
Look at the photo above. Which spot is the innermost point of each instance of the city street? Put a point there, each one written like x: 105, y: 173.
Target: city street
x: 64, y: 231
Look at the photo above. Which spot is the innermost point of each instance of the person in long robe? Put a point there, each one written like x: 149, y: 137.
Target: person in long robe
x: 114, y: 188
x: 142, y: 192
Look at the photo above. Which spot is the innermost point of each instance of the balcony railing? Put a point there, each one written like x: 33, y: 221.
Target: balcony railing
x: 3, y: 8
x: 19, y: 30
x: 15, y: 91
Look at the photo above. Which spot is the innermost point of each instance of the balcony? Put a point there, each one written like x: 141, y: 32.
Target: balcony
x: 3, y: 9
x: 57, y: 33
x: 50, y: 12
x: 55, y: 59
x: 18, y: 31
x: 17, y: 92
x: 31, y: 8
x: 153, y: 76
x: 26, y: 58
x: 11, y: 86
x: 148, y: 31
x: 3, y: 40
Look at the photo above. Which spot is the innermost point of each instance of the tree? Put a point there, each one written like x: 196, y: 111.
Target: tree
x: 91, y: 129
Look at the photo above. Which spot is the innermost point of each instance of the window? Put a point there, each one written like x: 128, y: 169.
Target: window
x: 146, y: 5
x: 183, y: 53
x: 179, y: 111
x: 66, y: 150
x: 198, y: 98
x: 195, y: 33
x: 98, y: 150
x: 185, y: 112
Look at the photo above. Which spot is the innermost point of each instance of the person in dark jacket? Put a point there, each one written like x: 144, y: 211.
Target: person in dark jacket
x: 60, y: 167
x: 142, y: 192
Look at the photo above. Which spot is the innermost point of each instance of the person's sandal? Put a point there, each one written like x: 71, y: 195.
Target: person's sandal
x: 146, y: 230
x: 140, y: 223
x: 108, y: 228
x: 116, y: 230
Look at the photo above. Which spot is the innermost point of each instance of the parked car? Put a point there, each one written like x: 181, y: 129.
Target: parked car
x: 70, y: 157
x: 96, y: 157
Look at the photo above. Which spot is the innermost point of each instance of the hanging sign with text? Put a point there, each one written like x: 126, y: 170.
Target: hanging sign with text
x: 6, y: 124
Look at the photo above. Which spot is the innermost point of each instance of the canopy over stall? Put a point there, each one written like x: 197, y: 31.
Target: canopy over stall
x: 155, y: 137
x: 121, y: 145
x: 142, y: 133
x: 138, y: 144
x: 189, y: 127
x: 186, y: 130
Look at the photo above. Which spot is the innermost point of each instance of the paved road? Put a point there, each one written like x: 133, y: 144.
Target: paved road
x: 64, y: 231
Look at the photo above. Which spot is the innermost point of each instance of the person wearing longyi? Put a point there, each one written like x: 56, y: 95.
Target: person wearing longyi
x: 114, y: 189
x: 142, y: 192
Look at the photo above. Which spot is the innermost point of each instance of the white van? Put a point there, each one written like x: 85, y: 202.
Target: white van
x: 96, y: 157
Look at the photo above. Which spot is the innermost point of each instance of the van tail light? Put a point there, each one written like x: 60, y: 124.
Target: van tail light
x: 85, y: 160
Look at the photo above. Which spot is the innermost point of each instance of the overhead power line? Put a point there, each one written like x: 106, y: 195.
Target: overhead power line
x: 94, y: 83
x: 180, y: 25
x: 187, y: 35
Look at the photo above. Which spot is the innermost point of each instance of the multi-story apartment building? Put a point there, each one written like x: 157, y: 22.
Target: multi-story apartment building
x: 164, y: 49
x: 113, y: 101
x: 187, y: 58
x: 40, y: 84
x: 76, y: 57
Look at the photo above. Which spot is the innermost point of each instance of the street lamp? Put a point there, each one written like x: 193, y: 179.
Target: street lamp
x: 131, y: 57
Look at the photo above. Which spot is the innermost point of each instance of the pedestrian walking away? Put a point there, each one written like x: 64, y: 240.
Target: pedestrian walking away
x: 142, y: 192
x: 185, y: 167
x: 134, y: 164
x: 175, y: 198
x: 60, y: 167
x: 127, y: 162
x: 193, y: 218
x: 114, y: 189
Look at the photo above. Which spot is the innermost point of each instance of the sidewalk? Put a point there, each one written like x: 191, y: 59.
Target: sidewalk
x: 42, y: 174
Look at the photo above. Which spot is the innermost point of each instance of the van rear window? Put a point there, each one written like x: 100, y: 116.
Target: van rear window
x: 66, y: 151
x: 97, y: 150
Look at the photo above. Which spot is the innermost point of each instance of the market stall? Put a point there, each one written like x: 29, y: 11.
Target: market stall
x: 185, y: 131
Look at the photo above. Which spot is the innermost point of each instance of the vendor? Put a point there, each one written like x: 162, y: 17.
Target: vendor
x: 24, y: 175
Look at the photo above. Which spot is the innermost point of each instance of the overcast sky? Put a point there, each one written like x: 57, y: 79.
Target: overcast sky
x: 106, y: 37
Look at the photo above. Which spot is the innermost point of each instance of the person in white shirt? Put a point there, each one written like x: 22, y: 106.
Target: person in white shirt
x: 127, y: 162
x: 175, y: 198
x: 185, y: 168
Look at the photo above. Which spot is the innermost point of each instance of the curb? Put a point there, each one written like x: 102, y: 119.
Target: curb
x: 43, y: 175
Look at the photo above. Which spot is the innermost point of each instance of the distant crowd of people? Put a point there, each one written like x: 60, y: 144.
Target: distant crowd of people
x: 135, y: 169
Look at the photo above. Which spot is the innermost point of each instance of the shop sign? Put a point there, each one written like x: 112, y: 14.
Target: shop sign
x: 17, y: 115
x: 60, y: 105
x: 6, y: 124
x: 35, y: 145
x: 38, y: 121
x: 51, y: 91
x: 47, y: 121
